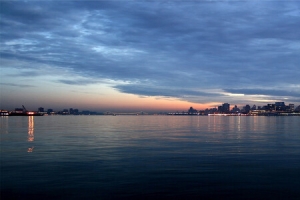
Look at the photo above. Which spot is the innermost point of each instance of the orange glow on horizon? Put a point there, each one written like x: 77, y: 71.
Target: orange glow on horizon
x: 111, y: 100
x: 133, y: 102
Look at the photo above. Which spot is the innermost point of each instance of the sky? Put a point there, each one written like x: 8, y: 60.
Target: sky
x: 148, y: 55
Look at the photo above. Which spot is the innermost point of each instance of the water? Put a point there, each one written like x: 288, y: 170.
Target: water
x: 150, y: 157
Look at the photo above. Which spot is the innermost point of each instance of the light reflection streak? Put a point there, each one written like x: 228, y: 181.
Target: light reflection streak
x: 239, y: 123
x: 255, y: 123
x: 4, y: 125
x: 239, y: 127
x: 30, y: 132
x: 30, y: 149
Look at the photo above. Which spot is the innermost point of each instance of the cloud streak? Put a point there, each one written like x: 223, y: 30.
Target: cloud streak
x: 17, y: 85
x: 274, y: 92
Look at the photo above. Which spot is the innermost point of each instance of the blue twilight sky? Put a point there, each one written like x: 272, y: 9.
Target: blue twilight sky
x: 148, y: 55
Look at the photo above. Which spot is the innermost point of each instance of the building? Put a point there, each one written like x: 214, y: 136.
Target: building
x: 76, y: 112
x: 71, y: 111
x: 292, y: 107
x: 280, y: 106
x: 19, y: 110
x: 192, y: 111
x: 235, y: 109
x: 86, y: 112
x: 247, y: 109
x: 41, y: 109
x: 220, y: 109
x: 50, y: 111
x: 269, y: 107
x: 226, y: 107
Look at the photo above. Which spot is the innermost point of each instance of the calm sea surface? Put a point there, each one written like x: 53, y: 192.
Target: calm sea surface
x: 150, y: 157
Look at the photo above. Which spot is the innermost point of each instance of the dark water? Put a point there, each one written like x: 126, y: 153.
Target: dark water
x: 150, y: 157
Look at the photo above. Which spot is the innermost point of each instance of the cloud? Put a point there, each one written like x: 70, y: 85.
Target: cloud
x: 268, y: 92
x: 17, y: 85
x: 178, y: 49
x: 77, y: 82
x: 147, y: 90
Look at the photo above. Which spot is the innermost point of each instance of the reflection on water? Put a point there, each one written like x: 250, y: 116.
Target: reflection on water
x: 4, y: 124
x: 30, y: 132
x: 30, y: 149
x: 30, y: 128
x: 154, y: 157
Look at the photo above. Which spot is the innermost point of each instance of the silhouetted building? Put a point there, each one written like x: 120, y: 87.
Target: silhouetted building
x: 247, y: 109
x: 192, y: 111
x: 269, y: 107
x: 291, y: 107
x: 71, y: 111
x: 86, y: 112
x: 19, y: 110
x: 49, y: 111
x: 41, y: 109
x: 210, y: 111
x: 76, y: 112
x: 235, y: 109
x: 220, y: 109
x: 279, y: 106
x: 225, y: 107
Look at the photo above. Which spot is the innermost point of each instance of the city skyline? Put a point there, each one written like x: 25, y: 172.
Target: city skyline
x: 225, y: 108
x: 148, y: 56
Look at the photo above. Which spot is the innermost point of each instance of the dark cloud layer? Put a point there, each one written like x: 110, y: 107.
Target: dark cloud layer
x: 17, y: 85
x: 77, y: 82
x: 175, y: 49
x: 147, y: 90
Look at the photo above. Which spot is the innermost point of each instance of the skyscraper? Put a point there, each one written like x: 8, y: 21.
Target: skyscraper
x: 226, y: 107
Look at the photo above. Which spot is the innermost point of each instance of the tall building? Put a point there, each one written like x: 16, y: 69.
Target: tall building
x: 220, y: 109
x: 41, y: 109
x: 247, y: 109
x: 226, y: 107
